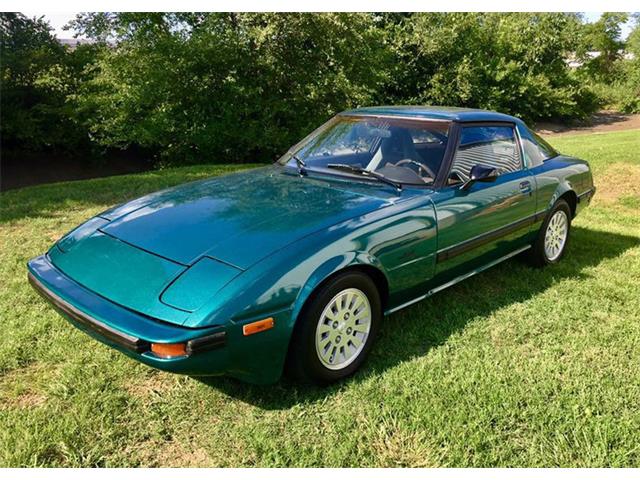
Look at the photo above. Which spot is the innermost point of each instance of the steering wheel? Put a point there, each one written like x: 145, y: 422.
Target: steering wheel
x: 420, y: 166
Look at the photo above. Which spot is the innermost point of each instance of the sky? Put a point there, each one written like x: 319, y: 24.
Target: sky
x: 58, y: 19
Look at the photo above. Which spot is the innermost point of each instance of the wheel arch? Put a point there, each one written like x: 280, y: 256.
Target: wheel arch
x: 566, y: 192
x: 374, y: 272
x: 572, y: 199
x: 332, y: 268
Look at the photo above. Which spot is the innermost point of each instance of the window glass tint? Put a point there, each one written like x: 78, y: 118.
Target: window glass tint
x: 548, y: 150
x: 490, y: 146
x: 421, y: 136
x: 536, y: 150
x: 345, y: 138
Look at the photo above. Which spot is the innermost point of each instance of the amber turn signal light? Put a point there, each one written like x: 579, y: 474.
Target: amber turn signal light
x: 257, y: 327
x: 169, y: 350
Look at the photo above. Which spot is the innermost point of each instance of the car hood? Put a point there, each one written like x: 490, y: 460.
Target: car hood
x: 241, y: 218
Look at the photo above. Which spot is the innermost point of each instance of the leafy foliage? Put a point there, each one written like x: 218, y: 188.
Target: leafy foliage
x: 508, y: 62
x: 201, y: 87
x: 614, y: 78
x: 624, y: 93
x: 603, y: 36
x: 37, y: 76
x: 243, y: 87
x: 628, y: 98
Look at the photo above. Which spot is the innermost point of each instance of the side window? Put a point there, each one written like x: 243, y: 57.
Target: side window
x: 493, y: 146
x: 536, y: 150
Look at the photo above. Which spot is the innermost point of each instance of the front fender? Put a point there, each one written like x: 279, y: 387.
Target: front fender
x: 400, y: 243
x: 279, y: 291
x: 330, y: 267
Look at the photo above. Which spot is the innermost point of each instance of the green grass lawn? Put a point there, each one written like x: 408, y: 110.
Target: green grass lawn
x: 514, y: 367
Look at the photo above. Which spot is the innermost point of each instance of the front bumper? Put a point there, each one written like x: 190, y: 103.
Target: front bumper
x: 128, y: 331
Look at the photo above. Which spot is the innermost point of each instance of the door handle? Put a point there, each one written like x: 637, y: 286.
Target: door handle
x: 525, y: 187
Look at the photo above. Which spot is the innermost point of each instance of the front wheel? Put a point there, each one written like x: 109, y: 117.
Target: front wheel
x: 336, y: 329
x: 553, y: 237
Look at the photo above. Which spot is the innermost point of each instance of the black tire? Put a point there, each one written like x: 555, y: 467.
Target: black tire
x: 303, y: 363
x: 538, y: 256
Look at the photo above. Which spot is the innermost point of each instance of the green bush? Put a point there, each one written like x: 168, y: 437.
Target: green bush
x: 626, y: 93
x: 622, y: 93
x: 38, y: 74
x: 613, y: 79
x: 236, y: 87
x: 628, y: 98
x: 243, y: 87
x: 513, y: 63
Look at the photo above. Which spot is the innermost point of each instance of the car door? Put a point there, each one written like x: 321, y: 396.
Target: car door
x: 488, y: 220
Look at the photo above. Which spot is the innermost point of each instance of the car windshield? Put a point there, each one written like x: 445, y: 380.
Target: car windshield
x: 400, y: 150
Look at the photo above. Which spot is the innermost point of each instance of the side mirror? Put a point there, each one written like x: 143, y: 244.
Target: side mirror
x: 480, y: 173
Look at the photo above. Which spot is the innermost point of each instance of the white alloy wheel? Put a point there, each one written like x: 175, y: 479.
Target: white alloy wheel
x: 556, y: 235
x: 343, y: 328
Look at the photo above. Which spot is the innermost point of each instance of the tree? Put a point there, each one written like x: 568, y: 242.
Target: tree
x: 226, y: 87
x: 237, y: 87
x: 633, y: 40
x: 507, y: 62
x: 604, y: 38
x: 629, y: 88
x: 37, y: 76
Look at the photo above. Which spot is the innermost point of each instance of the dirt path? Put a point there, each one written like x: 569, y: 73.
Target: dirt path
x: 604, y: 121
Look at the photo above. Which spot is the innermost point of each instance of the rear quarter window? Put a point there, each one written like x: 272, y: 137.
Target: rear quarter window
x: 536, y: 149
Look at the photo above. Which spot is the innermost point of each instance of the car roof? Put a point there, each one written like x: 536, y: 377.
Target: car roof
x: 456, y: 114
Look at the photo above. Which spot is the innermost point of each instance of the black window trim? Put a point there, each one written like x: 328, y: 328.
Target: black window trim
x: 523, y: 158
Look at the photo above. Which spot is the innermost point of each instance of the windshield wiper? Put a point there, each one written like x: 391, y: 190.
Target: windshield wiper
x: 363, y: 171
x: 302, y: 171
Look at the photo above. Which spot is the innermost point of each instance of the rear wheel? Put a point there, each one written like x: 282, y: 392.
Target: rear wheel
x: 553, y: 237
x: 335, y: 330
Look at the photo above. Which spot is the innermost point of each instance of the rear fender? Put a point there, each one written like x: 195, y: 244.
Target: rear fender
x: 564, y: 187
x: 559, y: 177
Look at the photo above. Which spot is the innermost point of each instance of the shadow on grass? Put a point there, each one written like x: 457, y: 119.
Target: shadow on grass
x: 414, y: 331
x: 55, y: 199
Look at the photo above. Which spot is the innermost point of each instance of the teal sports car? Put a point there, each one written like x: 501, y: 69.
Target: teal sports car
x: 291, y: 267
